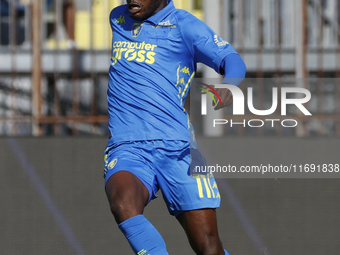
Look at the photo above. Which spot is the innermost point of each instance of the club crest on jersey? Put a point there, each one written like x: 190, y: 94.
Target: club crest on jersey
x: 136, y: 29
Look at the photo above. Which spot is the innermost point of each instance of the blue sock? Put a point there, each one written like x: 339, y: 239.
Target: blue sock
x: 226, y: 253
x: 143, y: 237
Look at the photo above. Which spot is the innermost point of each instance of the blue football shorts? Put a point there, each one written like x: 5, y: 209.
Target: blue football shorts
x: 164, y: 165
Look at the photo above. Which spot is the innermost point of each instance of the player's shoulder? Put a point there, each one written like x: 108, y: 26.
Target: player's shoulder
x: 186, y: 17
x: 189, y: 25
x: 119, y: 12
x: 187, y: 22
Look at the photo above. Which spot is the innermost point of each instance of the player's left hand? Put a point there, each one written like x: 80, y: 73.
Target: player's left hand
x: 226, y: 98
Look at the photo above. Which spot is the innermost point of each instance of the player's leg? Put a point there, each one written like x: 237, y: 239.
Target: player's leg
x: 128, y: 196
x: 201, y: 229
x: 128, y: 193
x: 188, y: 195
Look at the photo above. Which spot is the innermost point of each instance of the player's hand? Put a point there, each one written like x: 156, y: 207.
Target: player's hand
x: 225, y: 95
x: 226, y: 98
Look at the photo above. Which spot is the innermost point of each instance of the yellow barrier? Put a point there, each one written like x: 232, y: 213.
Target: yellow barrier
x: 82, y: 30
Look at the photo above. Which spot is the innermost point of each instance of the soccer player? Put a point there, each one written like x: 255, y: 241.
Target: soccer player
x: 155, y: 49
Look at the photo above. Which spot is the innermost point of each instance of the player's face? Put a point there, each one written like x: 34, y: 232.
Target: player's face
x: 143, y: 9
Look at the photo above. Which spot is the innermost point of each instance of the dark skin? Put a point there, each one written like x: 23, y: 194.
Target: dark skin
x: 226, y: 98
x: 143, y: 9
x: 128, y: 196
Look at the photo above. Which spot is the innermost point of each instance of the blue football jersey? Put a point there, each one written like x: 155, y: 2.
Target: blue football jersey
x: 152, y: 67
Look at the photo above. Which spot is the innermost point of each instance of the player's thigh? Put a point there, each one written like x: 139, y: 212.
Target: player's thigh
x: 126, y: 194
x: 201, y: 229
x: 129, y: 181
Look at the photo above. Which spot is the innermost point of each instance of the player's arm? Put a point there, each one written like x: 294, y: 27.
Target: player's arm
x: 234, y: 70
x: 210, y: 49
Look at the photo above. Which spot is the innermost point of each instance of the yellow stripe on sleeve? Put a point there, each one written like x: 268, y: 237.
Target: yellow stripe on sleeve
x: 187, y: 85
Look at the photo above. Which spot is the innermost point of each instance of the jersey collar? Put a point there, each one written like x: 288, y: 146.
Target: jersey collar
x: 159, y: 16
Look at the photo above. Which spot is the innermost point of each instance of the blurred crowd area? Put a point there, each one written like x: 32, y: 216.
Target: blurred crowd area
x: 67, y: 23
x: 75, y: 57
x: 246, y: 24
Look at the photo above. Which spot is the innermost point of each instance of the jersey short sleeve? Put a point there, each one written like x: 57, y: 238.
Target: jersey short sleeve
x: 204, y: 44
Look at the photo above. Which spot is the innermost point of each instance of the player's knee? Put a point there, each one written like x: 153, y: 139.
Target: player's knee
x: 210, y: 246
x: 123, y: 209
x: 116, y: 208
